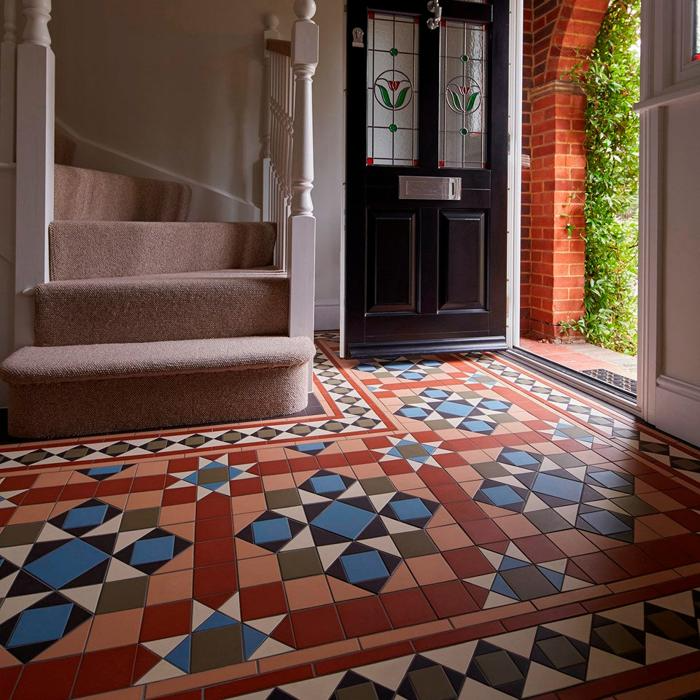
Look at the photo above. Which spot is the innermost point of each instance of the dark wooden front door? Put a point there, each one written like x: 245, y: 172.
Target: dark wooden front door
x: 426, y: 271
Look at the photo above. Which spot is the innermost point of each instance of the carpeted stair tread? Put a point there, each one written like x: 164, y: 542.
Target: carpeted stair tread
x: 151, y: 308
x: 92, y: 249
x: 84, y: 363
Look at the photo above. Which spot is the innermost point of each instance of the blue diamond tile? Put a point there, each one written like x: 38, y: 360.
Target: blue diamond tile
x: 477, y: 426
x: 66, y: 563
x: 454, y: 409
x: 85, y: 517
x: 435, y: 394
x: 565, y: 489
x: 494, y: 405
x: 608, y: 479
x: 150, y: 551
x: 410, y: 509
x: 413, y: 412
x: 364, y: 566
x: 605, y: 522
x: 37, y: 625
x: 502, y: 495
x: 327, y: 484
x: 275, y: 530
x: 104, y: 472
x: 517, y: 458
x: 343, y: 519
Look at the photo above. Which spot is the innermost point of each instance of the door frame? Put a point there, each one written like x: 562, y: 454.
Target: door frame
x: 648, y: 247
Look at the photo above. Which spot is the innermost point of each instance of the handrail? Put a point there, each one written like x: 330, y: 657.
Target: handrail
x: 279, y: 46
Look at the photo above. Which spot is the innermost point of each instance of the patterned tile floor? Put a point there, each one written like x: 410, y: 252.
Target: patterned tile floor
x: 441, y: 528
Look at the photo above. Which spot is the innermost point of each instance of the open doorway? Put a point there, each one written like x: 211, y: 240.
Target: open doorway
x: 580, y: 180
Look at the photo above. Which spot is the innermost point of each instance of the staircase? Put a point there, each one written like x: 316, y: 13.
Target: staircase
x: 153, y: 324
x: 141, y: 319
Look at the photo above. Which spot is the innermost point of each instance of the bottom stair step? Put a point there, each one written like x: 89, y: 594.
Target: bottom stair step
x: 95, y: 389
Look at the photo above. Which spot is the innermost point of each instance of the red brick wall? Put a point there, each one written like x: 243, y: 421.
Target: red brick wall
x: 557, y: 34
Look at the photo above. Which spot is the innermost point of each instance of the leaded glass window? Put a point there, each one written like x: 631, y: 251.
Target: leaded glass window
x: 392, y: 89
x: 463, y: 90
x: 696, y: 49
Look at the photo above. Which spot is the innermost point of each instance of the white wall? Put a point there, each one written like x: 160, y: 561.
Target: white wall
x: 670, y: 223
x: 176, y: 86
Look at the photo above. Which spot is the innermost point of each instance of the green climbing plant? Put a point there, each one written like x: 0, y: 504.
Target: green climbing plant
x: 609, y: 78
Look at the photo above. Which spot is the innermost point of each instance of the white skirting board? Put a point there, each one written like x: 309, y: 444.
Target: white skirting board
x: 327, y: 315
x: 678, y: 409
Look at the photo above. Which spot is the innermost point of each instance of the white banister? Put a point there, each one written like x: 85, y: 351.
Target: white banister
x: 302, y: 224
x: 35, y: 159
x: 8, y: 82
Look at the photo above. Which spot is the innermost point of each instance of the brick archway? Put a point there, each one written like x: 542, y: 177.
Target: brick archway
x: 557, y: 33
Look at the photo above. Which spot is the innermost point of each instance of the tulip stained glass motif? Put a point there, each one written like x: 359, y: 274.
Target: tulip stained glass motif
x: 463, y: 84
x: 392, y: 89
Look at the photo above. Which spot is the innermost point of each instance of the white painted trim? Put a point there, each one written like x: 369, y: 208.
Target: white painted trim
x: 675, y: 93
x: 515, y: 130
x: 158, y: 170
x: 678, y: 405
x: 327, y: 315
x: 343, y: 219
x: 651, y: 216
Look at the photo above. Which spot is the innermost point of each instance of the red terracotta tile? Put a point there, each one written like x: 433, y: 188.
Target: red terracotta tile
x: 466, y: 634
x: 246, y: 487
x: 213, y: 552
x: 448, y: 493
x: 316, y: 626
x: 277, y: 466
x: 101, y: 671
x: 408, y: 607
x: 8, y: 680
x: 168, y: 620
x: 259, y: 682
x: 175, y: 497
x: 263, y: 601
x: 155, y: 482
x: 634, y: 560
x: 48, y: 680
x: 361, y: 658
x: 363, y: 616
x: 212, y: 580
x: 600, y: 567
x: 468, y: 562
x: 449, y: 598
x: 73, y: 492
x: 110, y: 487
x: 49, y: 494
x: 539, y: 548
x: 435, y: 476
x: 465, y: 511
x: 213, y: 529
x: 213, y: 506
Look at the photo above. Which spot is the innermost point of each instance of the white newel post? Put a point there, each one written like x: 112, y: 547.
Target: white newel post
x: 35, y: 161
x: 302, y: 224
x: 8, y: 82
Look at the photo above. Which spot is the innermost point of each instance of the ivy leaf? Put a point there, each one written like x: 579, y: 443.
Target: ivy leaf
x: 456, y: 101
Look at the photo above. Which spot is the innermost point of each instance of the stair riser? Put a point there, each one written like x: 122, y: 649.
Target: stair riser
x: 64, y: 409
x: 92, y: 249
x: 149, y: 312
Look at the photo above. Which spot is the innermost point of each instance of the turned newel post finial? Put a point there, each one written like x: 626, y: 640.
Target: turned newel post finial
x: 272, y: 22
x: 304, y: 9
x: 38, y: 15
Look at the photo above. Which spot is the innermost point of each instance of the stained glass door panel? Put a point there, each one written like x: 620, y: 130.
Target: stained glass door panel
x: 392, y: 86
x: 463, y: 86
